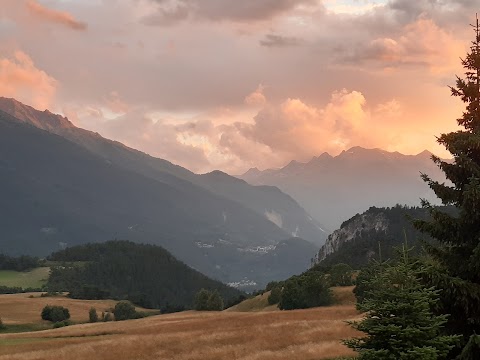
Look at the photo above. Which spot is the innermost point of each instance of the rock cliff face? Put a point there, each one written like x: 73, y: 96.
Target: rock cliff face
x: 351, y: 229
x: 377, y: 233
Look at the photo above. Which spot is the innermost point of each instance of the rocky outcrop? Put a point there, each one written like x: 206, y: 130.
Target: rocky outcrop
x: 350, y: 229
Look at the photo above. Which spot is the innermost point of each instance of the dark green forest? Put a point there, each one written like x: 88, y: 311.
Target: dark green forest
x: 21, y: 263
x: 147, y: 275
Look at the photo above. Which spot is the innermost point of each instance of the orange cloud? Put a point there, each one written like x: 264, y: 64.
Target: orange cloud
x: 19, y: 78
x: 422, y: 42
x: 55, y: 16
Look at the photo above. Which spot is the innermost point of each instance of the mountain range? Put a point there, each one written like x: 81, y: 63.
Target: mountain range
x: 334, y: 189
x: 63, y: 186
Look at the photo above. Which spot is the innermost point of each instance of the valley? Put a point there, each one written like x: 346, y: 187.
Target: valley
x: 239, y: 180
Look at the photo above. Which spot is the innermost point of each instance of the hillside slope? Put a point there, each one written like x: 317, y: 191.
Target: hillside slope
x: 57, y: 193
x: 269, y: 203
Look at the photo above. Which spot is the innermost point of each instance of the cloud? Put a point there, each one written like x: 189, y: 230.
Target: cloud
x: 421, y: 43
x: 298, y: 130
x: 20, y: 79
x: 54, y: 16
x: 115, y: 104
x: 273, y: 40
x: 190, y: 93
x: 173, y: 11
x: 256, y: 98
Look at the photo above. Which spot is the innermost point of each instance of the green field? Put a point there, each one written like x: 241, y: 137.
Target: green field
x: 28, y: 279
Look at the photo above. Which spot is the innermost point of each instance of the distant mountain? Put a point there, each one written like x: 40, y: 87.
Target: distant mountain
x: 374, y: 234
x: 336, y: 188
x: 79, y: 187
x: 266, y: 201
x: 147, y: 275
x: 55, y: 192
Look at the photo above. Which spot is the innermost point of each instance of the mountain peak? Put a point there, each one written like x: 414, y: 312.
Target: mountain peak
x: 252, y: 172
x: 220, y: 176
x: 425, y: 154
x: 321, y: 158
x: 44, y: 120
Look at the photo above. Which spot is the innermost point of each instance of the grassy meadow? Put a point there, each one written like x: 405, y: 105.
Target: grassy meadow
x: 25, y: 309
x: 24, y: 279
x: 267, y: 335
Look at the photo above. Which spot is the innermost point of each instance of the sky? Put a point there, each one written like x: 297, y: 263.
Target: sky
x: 230, y: 85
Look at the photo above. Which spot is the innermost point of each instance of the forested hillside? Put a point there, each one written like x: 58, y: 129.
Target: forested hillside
x: 61, y: 194
x: 147, y: 275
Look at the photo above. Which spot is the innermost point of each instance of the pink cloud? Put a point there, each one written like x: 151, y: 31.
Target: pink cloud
x: 19, y: 78
x: 55, y: 16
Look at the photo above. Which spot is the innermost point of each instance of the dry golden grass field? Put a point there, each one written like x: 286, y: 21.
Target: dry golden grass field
x: 21, y: 309
x: 266, y: 335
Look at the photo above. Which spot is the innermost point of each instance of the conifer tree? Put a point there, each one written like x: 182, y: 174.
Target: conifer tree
x: 457, y: 251
x: 399, y: 323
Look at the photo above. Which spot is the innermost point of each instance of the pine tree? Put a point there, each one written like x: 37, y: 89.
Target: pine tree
x: 457, y: 251
x: 399, y: 323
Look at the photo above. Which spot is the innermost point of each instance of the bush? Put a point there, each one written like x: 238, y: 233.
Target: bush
x: 306, y: 291
x: 106, y: 317
x: 275, y: 296
x: 341, y: 275
x: 55, y: 313
x: 92, y: 315
x: 60, y: 324
x: 124, y: 310
x: 2, y: 325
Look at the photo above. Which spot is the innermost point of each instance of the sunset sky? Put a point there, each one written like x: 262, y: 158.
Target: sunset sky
x: 234, y: 84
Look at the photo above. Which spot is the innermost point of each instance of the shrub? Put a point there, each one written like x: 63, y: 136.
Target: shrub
x: 306, y: 291
x: 2, y: 325
x: 92, y: 315
x: 106, y: 317
x: 55, y: 313
x: 124, y: 310
x: 60, y: 324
